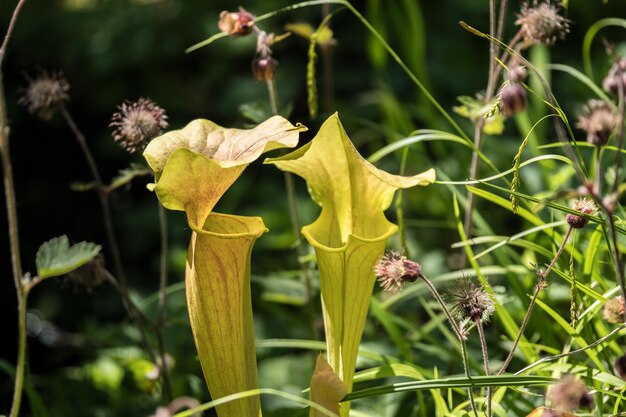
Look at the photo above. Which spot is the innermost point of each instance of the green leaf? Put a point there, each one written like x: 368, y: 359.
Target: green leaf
x: 194, y: 166
x: 105, y: 373
x: 80, y: 186
x: 255, y: 112
x: 128, y: 174
x: 475, y: 109
x: 56, y: 257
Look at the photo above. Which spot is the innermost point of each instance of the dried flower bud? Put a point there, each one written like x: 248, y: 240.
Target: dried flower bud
x: 620, y: 366
x: 584, y: 206
x: 541, y: 23
x: 264, y: 68
x: 613, y: 310
x: 44, y: 94
x: 138, y: 123
x: 516, y: 74
x: 470, y: 301
x: 512, y: 99
x: 569, y: 394
x: 394, y: 270
x: 236, y: 23
x: 599, y: 120
x: 616, y: 77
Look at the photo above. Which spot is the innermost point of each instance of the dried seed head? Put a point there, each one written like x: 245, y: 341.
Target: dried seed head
x: 616, y: 77
x: 569, y: 394
x: 90, y: 275
x: 236, y: 23
x: 138, y: 123
x: 620, y: 366
x: 512, y: 99
x: 264, y: 68
x: 45, y: 93
x: 470, y: 301
x: 585, y: 206
x: 394, y: 270
x: 516, y: 74
x: 613, y: 310
x: 599, y: 120
x: 541, y: 23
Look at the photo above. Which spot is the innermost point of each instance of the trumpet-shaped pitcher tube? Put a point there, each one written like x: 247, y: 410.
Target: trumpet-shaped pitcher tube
x: 217, y: 280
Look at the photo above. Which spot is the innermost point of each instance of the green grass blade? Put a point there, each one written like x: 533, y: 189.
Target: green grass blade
x: 453, y: 382
x: 591, y: 34
x: 582, y: 78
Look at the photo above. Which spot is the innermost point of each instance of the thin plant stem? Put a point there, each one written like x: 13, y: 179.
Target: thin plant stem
x: 459, y: 334
x: 483, y: 348
x: 465, y: 361
x: 163, y: 266
x: 7, y: 36
x: 502, y: 18
x: 597, y: 178
x: 327, y: 65
x: 492, y: 50
x: 136, y: 315
x: 271, y: 89
x: 21, y: 355
x: 540, y: 285
x: 102, y: 192
x: 11, y: 203
x: 469, y: 212
x: 442, y: 303
x: 160, y: 324
x: 9, y: 192
x: 619, y: 267
x: 619, y: 131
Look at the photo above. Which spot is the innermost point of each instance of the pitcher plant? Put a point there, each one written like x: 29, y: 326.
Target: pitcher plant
x: 349, y: 235
x: 193, y: 167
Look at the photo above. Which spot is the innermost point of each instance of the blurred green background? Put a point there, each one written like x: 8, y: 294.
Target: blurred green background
x: 112, y: 50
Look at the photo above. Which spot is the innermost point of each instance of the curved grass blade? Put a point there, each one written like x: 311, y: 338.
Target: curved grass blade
x: 427, y: 135
x: 503, y: 240
x: 580, y: 77
x: 508, y: 171
x: 453, y: 382
x: 591, y: 34
x: 254, y: 393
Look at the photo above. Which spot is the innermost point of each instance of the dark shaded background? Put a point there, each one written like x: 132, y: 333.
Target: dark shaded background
x: 115, y: 50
